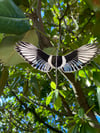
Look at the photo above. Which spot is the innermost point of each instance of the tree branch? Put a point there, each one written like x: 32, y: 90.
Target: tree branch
x: 37, y: 21
x: 38, y: 118
x: 80, y: 96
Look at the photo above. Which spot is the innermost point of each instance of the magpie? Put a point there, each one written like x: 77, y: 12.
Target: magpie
x: 71, y: 62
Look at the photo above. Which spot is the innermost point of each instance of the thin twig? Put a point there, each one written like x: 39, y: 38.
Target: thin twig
x: 65, y: 13
x: 58, y: 51
x: 90, y: 109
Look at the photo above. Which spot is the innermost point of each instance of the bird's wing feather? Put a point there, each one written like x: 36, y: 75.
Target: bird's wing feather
x: 79, y: 57
x: 36, y: 57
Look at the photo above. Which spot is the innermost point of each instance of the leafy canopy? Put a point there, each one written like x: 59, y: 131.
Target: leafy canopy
x: 30, y: 100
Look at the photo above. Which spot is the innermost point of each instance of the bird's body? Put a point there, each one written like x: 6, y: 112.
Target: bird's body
x: 69, y: 63
x: 60, y: 61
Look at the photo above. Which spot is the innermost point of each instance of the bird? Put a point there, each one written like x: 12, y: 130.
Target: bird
x: 71, y: 62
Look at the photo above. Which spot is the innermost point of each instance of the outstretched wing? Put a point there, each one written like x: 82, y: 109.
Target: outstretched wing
x: 79, y: 57
x: 36, y: 57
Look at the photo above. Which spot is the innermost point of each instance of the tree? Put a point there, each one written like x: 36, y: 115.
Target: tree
x: 30, y: 99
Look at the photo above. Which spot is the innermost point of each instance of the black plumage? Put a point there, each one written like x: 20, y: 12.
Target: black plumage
x: 69, y: 63
x: 59, y: 61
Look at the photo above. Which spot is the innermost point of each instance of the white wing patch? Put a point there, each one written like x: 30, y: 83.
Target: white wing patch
x: 80, y: 57
x: 36, y: 57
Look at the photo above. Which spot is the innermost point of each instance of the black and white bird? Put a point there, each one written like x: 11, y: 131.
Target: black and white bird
x: 71, y: 62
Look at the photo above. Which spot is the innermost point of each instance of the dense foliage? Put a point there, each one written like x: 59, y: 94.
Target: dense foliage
x: 30, y: 101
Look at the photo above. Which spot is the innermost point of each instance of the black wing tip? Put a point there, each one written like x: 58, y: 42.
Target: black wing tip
x: 21, y: 43
x: 17, y: 48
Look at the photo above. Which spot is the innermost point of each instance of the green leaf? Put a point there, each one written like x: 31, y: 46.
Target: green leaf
x: 56, y: 93
x: 8, y: 54
x: 25, y: 3
x: 56, y: 10
x: 61, y: 92
x: 35, y: 84
x: 86, y: 128
x: 31, y: 37
x: 81, y: 112
x: 50, y: 50
x: 94, y: 4
x: 1, y: 36
x: 96, y: 28
x: 89, y: 129
x: 71, y: 129
x: 74, y: 129
x: 96, y: 77
x: 58, y: 102
x: 98, y: 95
x: 25, y: 88
x: 82, y: 74
x: 15, y: 82
x: 12, y: 19
x: 53, y: 85
x: 97, y: 130
x: 3, y: 79
x: 82, y: 128
x: 49, y: 98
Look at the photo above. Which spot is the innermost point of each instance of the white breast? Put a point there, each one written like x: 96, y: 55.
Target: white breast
x: 50, y: 61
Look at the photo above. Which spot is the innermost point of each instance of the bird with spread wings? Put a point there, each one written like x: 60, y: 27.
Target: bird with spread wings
x: 71, y: 62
